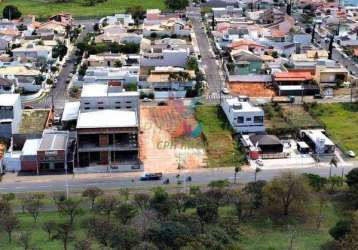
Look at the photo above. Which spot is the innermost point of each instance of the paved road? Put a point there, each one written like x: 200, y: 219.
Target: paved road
x: 209, y: 62
x: 58, y: 95
x: 124, y: 180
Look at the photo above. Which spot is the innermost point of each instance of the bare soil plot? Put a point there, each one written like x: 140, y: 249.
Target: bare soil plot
x: 252, y: 89
x: 165, y: 139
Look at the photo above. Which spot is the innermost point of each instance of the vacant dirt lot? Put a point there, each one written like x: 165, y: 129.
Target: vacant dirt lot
x: 166, y: 140
x: 252, y: 89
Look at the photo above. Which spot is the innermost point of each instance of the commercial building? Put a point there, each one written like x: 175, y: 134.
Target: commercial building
x: 108, y: 138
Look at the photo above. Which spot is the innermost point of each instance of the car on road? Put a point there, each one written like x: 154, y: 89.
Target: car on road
x: 259, y: 162
x: 225, y: 91
x: 151, y: 177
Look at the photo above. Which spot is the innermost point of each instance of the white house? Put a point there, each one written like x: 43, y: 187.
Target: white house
x: 125, y: 75
x: 168, y: 82
x: 33, y: 51
x: 10, y: 114
x: 243, y: 116
x: 124, y: 19
x: 111, y: 96
x: 163, y: 54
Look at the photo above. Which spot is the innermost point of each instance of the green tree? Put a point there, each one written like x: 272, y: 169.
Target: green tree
x: 161, y: 203
x: 11, y: 12
x: 92, y: 193
x: 9, y: 223
x: 70, y: 207
x: 341, y: 228
x: 125, y: 238
x: 177, y: 4
x: 208, y: 212
x: 287, y: 192
x: 137, y: 12
x: 125, y: 212
x: 24, y: 238
x: 316, y: 181
x: 33, y: 207
x: 107, y: 205
x: 64, y: 233
x: 49, y: 226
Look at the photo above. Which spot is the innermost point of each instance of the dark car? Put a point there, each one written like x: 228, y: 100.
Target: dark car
x: 151, y: 177
x: 318, y: 96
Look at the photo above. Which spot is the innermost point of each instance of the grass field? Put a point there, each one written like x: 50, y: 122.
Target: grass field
x: 221, y: 149
x: 341, y: 120
x: 45, y: 8
x: 256, y: 233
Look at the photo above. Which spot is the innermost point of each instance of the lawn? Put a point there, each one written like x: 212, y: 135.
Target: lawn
x: 221, y: 149
x: 45, y: 8
x: 341, y: 121
x: 287, y: 119
x: 263, y: 234
x: 256, y: 232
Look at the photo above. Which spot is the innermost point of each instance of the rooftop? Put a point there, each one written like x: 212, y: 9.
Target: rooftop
x: 107, y: 119
x: 70, y: 111
x: 55, y: 140
x: 9, y: 99
x: 293, y: 76
x: 30, y: 147
x: 242, y: 106
x: 102, y: 90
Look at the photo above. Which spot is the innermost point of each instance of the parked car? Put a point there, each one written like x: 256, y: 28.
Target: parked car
x: 162, y: 104
x: 350, y: 153
x: 225, y: 91
x: 146, y: 99
x: 318, y: 96
x: 151, y: 177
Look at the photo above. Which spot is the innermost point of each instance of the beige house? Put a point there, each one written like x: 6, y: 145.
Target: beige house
x: 331, y: 76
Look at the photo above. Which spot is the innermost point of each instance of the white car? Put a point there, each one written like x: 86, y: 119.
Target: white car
x: 147, y: 100
x: 350, y: 153
x: 225, y: 91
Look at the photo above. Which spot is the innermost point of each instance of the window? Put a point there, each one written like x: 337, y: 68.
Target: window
x: 129, y: 102
x: 118, y: 102
x: 128, y: 107
x: 118, y: 107
x: 87, y: 103
x: 240, y: 119
x: 248, y: 119
x: 99, y: 103
x: 87, y: 108
x: 258, y: 119
x: 100, y: 107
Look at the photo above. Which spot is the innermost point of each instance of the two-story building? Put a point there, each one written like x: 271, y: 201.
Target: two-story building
x: 243, y: 116
x: 109, y: 139
x: 10, y: 115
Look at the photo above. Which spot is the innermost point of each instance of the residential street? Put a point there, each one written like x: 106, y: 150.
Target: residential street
x: 58, y: 94
x: 51, y: 183
x: 209, y: 62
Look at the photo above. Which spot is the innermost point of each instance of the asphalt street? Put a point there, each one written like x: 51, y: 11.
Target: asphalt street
x: 131, y: 180
x: 208, y: 60
x: 58, y: 94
